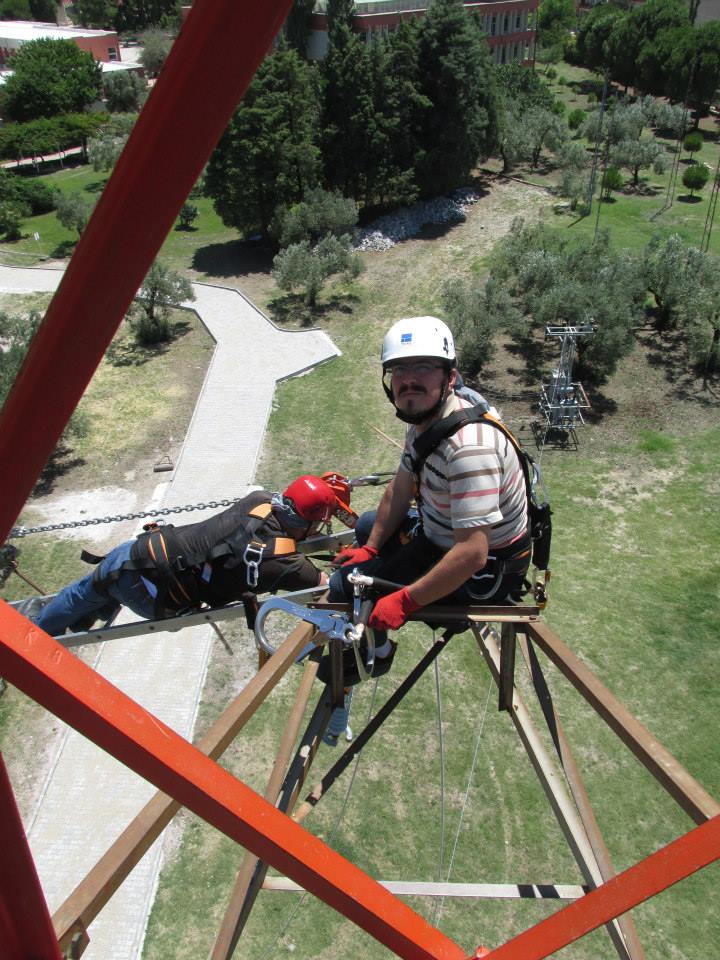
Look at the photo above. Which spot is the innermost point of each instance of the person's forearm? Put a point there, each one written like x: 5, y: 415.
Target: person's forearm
x: 391, y: 512
x: 449, y: 573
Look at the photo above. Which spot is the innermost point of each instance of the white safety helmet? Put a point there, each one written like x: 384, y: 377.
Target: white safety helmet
x: 418, y: 337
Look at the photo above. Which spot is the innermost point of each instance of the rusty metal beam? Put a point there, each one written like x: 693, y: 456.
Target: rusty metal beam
x: 551, y: 781
x: 95, y: 889
x: 450, y: 615
x: 48, y: 673
x: 691, y: 796
x: 506, y: 680
x: 578, y: 791
x: 230, y: 928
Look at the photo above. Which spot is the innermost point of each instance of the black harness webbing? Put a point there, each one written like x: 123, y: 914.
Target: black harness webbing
x: 516, y: 559
x: 176, y: 575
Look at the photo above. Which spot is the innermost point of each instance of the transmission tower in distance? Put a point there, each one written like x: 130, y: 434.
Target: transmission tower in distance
x: 563, y: 400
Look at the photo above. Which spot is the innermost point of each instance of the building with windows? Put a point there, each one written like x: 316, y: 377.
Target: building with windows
x: 102, y: 44
x: 509, y: 24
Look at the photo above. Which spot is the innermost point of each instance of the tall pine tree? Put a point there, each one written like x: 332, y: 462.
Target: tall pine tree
x: 268, y: 156
x: 348, y: 111
x: 297, y: 26
x: 406, y: 106
x: 457, y: 79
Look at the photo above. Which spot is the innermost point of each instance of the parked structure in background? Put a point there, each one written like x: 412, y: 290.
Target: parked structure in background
x: 102, y: 44
x: 563, y: 400
x: 509, y: 24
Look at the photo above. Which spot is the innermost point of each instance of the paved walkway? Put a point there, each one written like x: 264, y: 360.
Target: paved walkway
x: 89, y: 797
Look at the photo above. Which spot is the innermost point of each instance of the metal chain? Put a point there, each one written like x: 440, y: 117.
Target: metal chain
x: 373, y: 479
x: 17, y: 532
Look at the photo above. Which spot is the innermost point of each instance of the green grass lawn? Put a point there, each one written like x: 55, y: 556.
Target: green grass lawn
x: 55, y: 242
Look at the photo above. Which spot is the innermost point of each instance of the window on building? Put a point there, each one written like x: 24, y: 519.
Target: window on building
x: 112, y: 53
x: 505, y: 24
x: 502, y: 54
x: 518, y: 21
x: 493, y: 26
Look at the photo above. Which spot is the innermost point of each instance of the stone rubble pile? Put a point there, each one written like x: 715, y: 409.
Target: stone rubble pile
x: 386, y: 231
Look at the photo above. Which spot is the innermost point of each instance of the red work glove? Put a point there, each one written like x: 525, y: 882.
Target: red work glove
x: 391, y: 612
x: 354, y: 556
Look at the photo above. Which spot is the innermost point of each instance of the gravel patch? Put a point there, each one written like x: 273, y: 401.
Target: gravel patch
x: 393, y: 228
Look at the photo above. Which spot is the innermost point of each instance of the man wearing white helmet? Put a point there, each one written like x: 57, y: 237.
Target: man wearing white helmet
x: 471, y: 544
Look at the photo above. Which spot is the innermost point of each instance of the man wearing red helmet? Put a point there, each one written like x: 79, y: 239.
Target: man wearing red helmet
x: 249, y: 548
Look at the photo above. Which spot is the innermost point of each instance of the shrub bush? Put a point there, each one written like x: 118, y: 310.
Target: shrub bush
x: 576, y: 118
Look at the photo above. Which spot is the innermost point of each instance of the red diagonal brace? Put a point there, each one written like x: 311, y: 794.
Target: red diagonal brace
x: 209, y: 67
x: 50, y: 674
x: 26, y: 930
x: 686, y: 855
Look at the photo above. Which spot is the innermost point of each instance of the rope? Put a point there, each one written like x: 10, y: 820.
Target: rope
x: 272, y: 952
x: 441, y: 744
x: 441, y: 901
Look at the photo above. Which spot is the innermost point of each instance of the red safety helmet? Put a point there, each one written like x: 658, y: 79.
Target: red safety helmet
x: 312, y: 498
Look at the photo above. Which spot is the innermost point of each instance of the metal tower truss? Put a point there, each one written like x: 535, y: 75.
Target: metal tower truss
x: 212, y: 62
x: 563, y: 400
x: 187, y: 775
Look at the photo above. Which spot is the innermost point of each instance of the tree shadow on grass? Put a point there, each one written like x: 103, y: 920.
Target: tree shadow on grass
x: 233, y: 258
x: 536, y: 355
x: 291, y: 310
x: 686, y: 198
x: 95, y: 186
x: 667, y: 350
x: 601, y: 406
x: 126, y: 352
x: 60, y: 462
x: 63, y: 250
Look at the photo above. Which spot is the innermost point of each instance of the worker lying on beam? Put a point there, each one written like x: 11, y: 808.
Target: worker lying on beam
x: 469, y: 541
x: 249, y: 548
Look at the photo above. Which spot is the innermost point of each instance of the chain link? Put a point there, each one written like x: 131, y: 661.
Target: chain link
x: 373, y: 479
x: 17, y: 532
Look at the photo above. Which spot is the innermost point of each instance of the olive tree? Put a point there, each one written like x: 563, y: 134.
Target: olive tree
x: 162, y: 290
x: 306, y: 267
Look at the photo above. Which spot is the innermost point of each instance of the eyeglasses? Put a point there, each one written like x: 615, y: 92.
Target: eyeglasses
x: 422, y: 368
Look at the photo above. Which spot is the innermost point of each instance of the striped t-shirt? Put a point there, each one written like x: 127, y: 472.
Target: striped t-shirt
x: 472, y: 479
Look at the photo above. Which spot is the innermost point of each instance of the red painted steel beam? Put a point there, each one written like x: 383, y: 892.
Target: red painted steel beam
x: 210, y: 65
x: 684, y: 856
x: 26, y: 930
x: 50, y: 674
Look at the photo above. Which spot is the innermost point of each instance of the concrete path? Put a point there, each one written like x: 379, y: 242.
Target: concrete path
x: 89, y: 797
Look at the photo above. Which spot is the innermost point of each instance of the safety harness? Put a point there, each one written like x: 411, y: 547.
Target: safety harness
x: 160, y: 554
x: 519, y: 556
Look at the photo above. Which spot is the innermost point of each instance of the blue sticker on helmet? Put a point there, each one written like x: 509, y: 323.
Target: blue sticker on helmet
x: 405, y: 338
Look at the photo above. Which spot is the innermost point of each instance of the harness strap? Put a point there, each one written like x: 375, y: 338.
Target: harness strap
x: 175, y: 574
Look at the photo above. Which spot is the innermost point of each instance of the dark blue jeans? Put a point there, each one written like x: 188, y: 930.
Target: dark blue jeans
x: 79, y: 599
x: 405, y: 563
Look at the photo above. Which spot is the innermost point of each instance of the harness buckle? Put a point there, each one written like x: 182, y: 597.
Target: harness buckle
x: 252, y: 558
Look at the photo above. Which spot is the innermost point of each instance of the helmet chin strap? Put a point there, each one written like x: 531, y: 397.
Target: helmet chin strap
x: 417, y: 418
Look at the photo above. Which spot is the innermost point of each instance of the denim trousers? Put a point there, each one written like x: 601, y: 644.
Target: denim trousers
x: 81, y: 598
x: 404, y: 563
